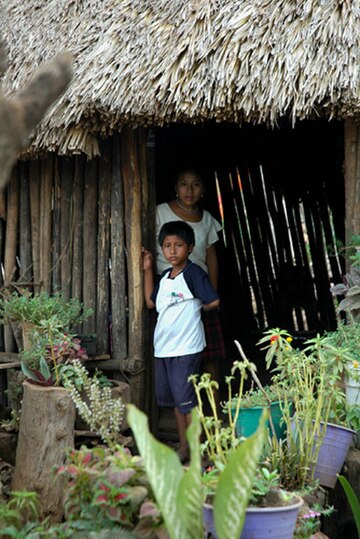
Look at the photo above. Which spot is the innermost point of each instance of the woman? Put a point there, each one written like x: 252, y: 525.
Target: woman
x: 189, y: 189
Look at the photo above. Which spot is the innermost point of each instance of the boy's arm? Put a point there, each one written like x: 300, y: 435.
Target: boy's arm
x: 148, y: 278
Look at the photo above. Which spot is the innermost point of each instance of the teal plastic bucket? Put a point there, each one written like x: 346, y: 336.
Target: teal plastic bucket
x: 248, y: 420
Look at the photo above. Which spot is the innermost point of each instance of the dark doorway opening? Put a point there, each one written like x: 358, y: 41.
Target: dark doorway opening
x: 282, y: 197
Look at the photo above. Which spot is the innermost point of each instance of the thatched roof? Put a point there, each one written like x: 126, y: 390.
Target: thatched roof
x: 150, y: 62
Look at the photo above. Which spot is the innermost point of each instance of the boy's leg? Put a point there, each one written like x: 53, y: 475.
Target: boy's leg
x: 182, y: 423
x: 184, y: 395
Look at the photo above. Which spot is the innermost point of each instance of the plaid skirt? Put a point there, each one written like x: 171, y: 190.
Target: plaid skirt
x: 215, y: 346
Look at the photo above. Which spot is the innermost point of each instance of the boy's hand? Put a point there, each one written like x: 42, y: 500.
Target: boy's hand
x: 147, y: 259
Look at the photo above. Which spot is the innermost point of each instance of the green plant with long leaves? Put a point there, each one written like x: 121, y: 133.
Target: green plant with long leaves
x: 310, y: 380
x: 220, y: 439
x: 179, y: 492
x: 352, y: 499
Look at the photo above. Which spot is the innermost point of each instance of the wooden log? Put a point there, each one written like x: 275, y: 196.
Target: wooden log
x: 35, y: 181
x: 67, y: 178
x: 24, y: 225
x: 103, y: 243
x: 133, y: 234
x: 46, y: 431
x: 352, y: 178
x: 118, y: 267
x: 90, y: 219
x: 77, y: 255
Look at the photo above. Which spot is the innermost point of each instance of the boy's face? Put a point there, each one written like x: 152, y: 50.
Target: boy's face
x: 176, y: 250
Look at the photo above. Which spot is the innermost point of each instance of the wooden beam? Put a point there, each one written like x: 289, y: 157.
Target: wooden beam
x: 352, y: 178
x: 118, y: 267
x: 103, y: 240
x: 90, y: 219
x: 133, y: 233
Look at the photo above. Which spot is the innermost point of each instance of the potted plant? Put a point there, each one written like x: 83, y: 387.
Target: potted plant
x: 34, y: 311
x: 253, y: 403
x: 267, y: 499
x: 311, y: 378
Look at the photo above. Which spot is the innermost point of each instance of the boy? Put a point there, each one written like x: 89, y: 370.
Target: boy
x: 183, y: 290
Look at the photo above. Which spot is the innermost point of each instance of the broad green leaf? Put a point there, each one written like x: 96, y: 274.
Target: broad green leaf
x: 235, y: 484
x: 44, y: 368
x: 352, y: 499
x: 190, y: 499
x: 164, y: 472
x: 28, y: 373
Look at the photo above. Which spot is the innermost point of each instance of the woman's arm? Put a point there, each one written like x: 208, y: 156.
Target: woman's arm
x: 212, y: 266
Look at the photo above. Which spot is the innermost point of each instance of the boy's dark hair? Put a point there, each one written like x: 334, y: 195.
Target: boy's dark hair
x: 177, y: 228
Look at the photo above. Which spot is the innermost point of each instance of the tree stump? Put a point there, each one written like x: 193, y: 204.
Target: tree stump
x: 46, y: 430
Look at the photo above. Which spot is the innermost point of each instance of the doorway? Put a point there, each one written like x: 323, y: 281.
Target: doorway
x: 279, y: 194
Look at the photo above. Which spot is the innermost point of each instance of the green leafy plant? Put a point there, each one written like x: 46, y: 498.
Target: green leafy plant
x: 95, y: 403
x: 109, y: 488
x: 352, y: 499
x: 34, y: 309
x: 254, y: 397
x: 220, y: 438
x: 180, y: 498
x: 310, y: 379
x: 50, y: 352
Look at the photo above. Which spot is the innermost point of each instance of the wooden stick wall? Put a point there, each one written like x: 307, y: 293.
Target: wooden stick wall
x: 76, y: 226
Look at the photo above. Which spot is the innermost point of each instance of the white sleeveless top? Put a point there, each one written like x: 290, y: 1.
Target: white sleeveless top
x: 206, y: 233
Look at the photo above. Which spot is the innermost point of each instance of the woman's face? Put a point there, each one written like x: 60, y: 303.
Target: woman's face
x: 189, y: 189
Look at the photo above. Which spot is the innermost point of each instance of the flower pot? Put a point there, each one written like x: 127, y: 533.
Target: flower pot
x: 262, y: 522
x: 352, y: 383
x: 332, y: 454
x: 248, y: 420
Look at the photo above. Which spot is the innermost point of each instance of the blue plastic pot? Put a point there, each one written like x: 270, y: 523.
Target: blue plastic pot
x: 262, y: 522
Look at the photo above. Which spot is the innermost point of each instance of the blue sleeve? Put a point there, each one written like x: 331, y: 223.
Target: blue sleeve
x: 199, y: 284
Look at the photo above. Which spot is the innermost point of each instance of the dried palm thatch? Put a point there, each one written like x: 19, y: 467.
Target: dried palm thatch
x: 144, y: 62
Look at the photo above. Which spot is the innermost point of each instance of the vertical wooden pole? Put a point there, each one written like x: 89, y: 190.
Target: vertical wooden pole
x: 133, y: 233
x: 90, y: 242
x: 56, y: 242
x: 77, y: 265
x: 45, y: 222
x: 67, y: 178
x: 24, y: 225
x: 103, y: 284
x: 34, y: 180
x: 352, y: 178
x: 11, y: 245
x: 118, y: 269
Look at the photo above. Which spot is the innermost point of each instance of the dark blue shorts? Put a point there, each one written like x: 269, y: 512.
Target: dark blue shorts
x: 171, y: 379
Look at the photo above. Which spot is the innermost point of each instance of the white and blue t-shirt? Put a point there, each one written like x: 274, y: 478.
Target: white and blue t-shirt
x: 179, y: 330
